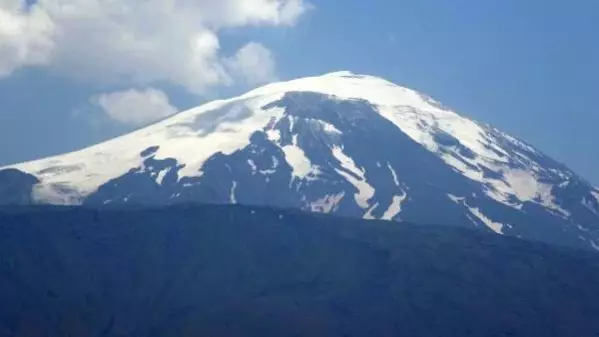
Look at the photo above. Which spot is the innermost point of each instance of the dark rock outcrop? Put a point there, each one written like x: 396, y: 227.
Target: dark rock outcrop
x: 16, y: 187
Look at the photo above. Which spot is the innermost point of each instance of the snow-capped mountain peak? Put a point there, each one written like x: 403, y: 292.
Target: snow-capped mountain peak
x: 342, y: 142
x: 207, y: 129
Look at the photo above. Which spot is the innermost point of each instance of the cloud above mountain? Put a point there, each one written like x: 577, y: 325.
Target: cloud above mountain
x: 135, y: 107
x: 142, y: 42
x: 253, y: 63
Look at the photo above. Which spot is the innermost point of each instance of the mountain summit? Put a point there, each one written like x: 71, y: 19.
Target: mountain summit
x: 340, y: 143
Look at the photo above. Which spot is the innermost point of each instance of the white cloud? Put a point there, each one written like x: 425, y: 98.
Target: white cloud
x: 140, y: 42
x: 235, y: 13
x: 135, y: 107
x: 254, y: 63
x: 25, y: 37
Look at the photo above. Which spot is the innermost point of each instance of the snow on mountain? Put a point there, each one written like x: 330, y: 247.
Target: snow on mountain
x: 351, y: 144
x: 67, y: 179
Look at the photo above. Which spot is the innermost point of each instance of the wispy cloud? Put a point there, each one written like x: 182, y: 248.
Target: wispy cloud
x: 135, y: 107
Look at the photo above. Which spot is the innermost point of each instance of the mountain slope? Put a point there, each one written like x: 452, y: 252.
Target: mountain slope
x: 339, y: 143
x: 239, y: 271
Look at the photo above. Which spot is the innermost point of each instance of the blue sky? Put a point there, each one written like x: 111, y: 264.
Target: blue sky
x: 530, y: 68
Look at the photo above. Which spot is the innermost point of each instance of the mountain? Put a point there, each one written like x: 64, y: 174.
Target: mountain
x: 243, y: 271
x: 341, y: 143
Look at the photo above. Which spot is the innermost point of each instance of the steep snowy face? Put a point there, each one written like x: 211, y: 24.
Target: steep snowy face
x: 350, y: 144
x: 475, y: 150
